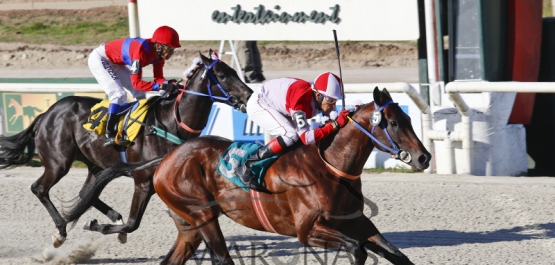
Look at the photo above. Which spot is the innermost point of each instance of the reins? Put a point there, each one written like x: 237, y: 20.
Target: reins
x: 375, y: 120
x: 173, y: 138
x: 208, y: 70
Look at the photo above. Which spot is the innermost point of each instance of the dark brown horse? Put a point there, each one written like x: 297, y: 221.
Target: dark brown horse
x: 316, y: 189
x: 59, y: 138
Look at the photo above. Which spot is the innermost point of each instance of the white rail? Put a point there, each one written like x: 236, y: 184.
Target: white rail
x: 427, y: 133
x: 465, y: 135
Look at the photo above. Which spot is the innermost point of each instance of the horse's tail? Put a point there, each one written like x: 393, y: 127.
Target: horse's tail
x: 12, y: 148
x: 81, y: 203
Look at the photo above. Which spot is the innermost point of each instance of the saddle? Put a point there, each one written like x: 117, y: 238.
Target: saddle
x: 236, y: 155
x: 130, y: 119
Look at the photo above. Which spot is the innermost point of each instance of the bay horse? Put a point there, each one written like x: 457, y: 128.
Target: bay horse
x: 60, y: 139
x: 316, y: 189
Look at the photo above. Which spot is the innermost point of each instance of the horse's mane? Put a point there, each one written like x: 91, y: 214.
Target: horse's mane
x: 360, y: 107
x: 192, y: 69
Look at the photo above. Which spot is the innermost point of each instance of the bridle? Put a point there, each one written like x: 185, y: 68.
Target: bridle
x: 209, y: 70
x: 211, y: 78
x: 376, y: 120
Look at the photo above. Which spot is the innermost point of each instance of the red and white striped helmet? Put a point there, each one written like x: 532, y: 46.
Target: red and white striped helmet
x: 329, y: 85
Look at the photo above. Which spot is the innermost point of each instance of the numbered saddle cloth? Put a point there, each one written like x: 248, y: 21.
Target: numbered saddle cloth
x: 127, y: 125
x: 236, y: 155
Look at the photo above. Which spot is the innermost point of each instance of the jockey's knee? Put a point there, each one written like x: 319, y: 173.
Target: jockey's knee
x: 117, y: 97
x: 288, y: 139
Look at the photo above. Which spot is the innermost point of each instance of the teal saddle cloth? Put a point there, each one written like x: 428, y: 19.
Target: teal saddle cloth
x: 236, y: 155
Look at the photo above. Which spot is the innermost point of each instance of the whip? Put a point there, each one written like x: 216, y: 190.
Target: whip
x: 339, y: 64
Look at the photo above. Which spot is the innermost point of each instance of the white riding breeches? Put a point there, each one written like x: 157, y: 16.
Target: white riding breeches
x: 270, y: 120
x: 113, y: 78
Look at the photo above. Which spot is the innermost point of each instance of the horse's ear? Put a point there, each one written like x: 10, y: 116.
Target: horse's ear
x: 377, y: 96
x: 210, y: 52
x: 386, y: 96
x: 205, y: 59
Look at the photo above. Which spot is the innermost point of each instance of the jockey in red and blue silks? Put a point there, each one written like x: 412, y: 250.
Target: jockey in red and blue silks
x: 117, y: 66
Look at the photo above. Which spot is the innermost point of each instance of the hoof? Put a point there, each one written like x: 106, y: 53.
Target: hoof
x: 58, y: 240
x: 122, y: 237
x: 89, y: 225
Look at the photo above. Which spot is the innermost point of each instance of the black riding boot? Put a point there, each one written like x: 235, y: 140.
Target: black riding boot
x: 111, y: 129
x: 244, y: 172
x: 112, y: 126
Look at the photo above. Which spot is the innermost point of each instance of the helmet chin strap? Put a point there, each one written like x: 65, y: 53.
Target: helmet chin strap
x: 158, y: 49
x: 319, y: 100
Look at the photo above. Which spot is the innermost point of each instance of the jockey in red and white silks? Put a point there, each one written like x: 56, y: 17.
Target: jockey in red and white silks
x: 282, y: 108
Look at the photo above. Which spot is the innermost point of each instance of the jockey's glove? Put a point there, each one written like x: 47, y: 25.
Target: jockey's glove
x: 171, y: 87
x: 342, y: 118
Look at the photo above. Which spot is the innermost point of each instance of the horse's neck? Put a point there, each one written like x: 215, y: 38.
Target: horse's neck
x: 349, y: 150
x: 193, y: 111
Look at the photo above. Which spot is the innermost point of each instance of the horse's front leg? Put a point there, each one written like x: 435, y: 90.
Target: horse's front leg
x: 141, y: 196
x: 321, y: 235
x: 363, y: 230
x: 112, y: 214
x: 379, y: 245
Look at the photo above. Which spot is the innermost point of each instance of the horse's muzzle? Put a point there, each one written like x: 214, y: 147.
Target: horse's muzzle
x: 243, y: 107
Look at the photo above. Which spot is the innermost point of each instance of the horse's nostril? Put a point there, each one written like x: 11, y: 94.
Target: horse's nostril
x: 423, y: 159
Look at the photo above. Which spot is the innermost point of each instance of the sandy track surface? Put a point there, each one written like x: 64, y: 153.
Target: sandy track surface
x: 433, y: 219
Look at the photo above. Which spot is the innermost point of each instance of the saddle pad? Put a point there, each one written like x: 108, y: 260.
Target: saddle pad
x: 132, y: 128
x: 236, y: 155
x: 98, y: 118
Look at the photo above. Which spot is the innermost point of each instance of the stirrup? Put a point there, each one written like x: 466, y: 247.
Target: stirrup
x: 112, y: 141
x: 109, y: 141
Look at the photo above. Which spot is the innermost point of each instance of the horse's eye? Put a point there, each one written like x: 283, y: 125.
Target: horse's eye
x: 393, y: 123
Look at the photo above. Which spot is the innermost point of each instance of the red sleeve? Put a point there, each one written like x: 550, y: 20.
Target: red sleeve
x: 140, y: 54
x: 158, y: 70
x: 310, y: 137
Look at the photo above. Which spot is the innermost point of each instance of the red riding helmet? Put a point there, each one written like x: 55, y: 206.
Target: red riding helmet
x: 167, y: 36
x: 329, y: 85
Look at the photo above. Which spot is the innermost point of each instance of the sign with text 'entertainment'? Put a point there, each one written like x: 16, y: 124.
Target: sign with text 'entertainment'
x: 357, y: 20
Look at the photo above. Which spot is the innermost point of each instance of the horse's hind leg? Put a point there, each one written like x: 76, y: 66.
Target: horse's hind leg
x: 186, y: 244
x: 194, y: 207
x: 206, y: 223
x: 41, y: 189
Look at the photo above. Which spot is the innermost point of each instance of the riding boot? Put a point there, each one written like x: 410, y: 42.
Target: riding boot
x: 112, y: 126
x: 244, y: 172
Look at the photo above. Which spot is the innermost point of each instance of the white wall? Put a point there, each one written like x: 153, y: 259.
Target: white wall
x: 354, y: 20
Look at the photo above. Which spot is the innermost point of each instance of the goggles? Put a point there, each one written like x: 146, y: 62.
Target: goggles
x: 330, y: 100
x: 167, y: 48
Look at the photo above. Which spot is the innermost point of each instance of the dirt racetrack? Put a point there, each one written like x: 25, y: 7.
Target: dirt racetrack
x: 433, y: 219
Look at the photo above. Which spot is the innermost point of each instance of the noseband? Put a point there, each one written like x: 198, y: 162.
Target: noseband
x: 376, y: 120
